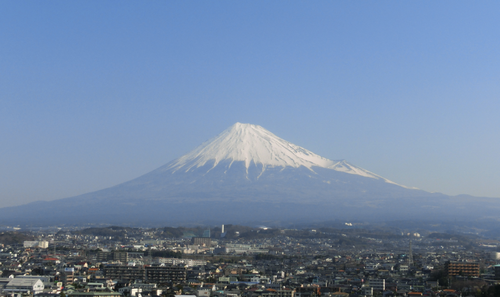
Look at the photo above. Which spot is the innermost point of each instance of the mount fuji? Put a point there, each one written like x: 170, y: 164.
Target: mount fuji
x: 248, y: 174
x: 255, y: 146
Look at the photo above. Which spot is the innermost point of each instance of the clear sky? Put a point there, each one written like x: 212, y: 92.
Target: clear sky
x: 95, y: 93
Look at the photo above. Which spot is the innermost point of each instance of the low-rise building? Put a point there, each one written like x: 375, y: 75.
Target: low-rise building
x: 24, y: 286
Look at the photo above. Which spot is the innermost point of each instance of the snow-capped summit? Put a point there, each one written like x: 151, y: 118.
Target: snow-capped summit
x: 253, y: 144
x: 250, y: 143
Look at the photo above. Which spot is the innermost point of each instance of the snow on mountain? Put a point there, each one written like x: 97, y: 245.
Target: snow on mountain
x: 343, y: 166
x: 254, y: 144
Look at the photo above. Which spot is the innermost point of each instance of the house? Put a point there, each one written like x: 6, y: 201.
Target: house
x: 24, y: 285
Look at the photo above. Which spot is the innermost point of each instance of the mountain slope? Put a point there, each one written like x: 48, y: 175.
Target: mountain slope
x: 248, y: 174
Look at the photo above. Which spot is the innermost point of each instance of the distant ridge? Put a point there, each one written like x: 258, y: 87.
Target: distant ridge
x: 247, y: 174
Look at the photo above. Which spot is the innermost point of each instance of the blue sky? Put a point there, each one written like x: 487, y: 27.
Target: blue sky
x: 95, y: 93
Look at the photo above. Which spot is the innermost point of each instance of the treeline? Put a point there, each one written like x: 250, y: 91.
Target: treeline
x: 13, y: 237
x: 166, y: 254
x: 112, y: 231
x: 235, y: 231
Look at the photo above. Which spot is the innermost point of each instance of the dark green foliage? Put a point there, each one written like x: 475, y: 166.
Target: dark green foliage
x: 492, y: 291
x: 13, y: 237
x: 114, y: 231
x: 166, y: 254
x: 265, y: 257
x: 440, y: 276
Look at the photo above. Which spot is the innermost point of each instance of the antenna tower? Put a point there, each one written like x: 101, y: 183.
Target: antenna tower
x: 410, y: 256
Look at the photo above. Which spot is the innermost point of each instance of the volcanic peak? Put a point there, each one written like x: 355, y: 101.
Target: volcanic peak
x: 250, y: 143
x: 253, y: 144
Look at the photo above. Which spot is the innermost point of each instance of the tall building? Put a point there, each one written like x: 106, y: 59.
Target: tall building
x: 123, y: 272
x: 223, y: 232
x: 68, y: 275
x: 165, y: 274
x: 497, y: 271
x: 112, y: 256
x: 120, y: 256
x: 462, y: 268
x: 203, y: 241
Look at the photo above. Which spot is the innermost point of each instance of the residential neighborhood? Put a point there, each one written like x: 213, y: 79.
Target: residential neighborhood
x: 239, y: 261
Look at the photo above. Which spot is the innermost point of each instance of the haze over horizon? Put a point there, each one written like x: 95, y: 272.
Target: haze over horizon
x: 98, y: 93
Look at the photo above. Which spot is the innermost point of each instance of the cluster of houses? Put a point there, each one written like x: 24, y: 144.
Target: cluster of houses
x: 101, y: 266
